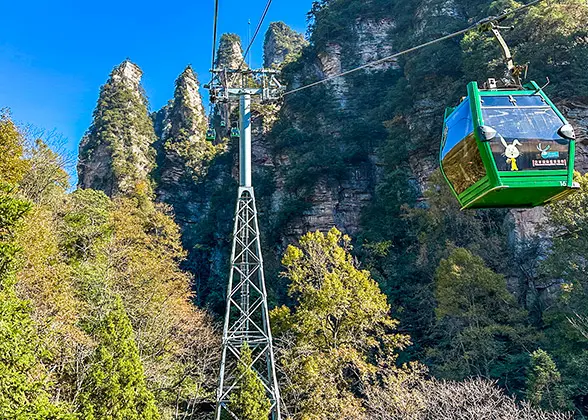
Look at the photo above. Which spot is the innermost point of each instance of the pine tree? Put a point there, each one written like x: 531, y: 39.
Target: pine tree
x: 543, y: 382
x: 115, y: 386
x: 249, y: 401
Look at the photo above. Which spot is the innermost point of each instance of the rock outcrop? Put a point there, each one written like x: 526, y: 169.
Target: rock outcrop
x: 230, y: 52
x: 182, y: 130
x: 322, y: 157
x: 281, y: 45
x: 116, y: 154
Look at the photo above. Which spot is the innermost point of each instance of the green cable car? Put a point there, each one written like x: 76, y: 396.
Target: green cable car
x: 235, y: 133
x: 507, y: 145
x: 211, y: 134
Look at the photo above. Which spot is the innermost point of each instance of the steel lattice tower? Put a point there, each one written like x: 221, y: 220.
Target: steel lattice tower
x: 246, y: 317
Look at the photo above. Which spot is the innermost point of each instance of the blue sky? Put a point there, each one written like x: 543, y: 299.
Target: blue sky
x: 55, y: 55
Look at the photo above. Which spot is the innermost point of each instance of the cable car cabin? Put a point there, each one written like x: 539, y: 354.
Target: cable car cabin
x: 507, y: 148
x: 211, y: 134
x: 235, y: 133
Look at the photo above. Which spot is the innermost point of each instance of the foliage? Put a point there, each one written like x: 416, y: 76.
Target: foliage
x: 130, y: 247
x: 543, y: 382
x: 115, y: 385
x: 69, y: 259
x: 338, y: 332
x: 45, y: 180
x: 24, y: 379
x: 480, y: 331
x: 12, y: 165
x: 249, y: 401
x: 415, y: 398
x: 550, y: 37
x: 566, y: 266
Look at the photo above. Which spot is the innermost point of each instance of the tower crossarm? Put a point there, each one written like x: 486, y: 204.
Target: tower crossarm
x: 229, y: 84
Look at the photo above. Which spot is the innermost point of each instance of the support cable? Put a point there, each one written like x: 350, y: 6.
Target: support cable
x: 214, y: 33
x: 259, y: 25
x: 418, y: 47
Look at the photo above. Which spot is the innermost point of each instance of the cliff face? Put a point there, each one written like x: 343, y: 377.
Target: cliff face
x: 183, y: 152
x: 428, y: 81
x: 308, y: 195
x: 184, y: 159
x: 357, y: 152
x: 115, y: 154
x: 528, y: 224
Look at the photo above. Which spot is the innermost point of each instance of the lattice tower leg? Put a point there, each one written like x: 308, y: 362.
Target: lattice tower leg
x: 246, y: 318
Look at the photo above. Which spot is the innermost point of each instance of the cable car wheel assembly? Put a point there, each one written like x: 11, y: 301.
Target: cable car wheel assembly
x: 507, y: 145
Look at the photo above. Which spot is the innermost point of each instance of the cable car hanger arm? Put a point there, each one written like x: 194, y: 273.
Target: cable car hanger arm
x: 515, y: 72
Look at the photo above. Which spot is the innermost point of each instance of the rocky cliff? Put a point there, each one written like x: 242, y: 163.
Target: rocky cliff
x: 116, y: 154
x: 230, y: 52
x: 184, y: 154
x: 357, y: 152
x: 281, y: 45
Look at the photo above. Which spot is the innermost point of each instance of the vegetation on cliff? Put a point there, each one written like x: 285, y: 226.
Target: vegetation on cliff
x: 424, y: 253
x: 430, y: 313
x: 116, y: 154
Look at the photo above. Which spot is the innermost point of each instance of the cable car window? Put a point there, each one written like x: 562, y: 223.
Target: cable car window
x: 457, y: 127
x: 527, y: 138
x: 532, y: 100
x: 463, y: 165
x: 496, y: 101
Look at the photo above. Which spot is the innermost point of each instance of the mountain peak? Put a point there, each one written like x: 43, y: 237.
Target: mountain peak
x: 281, y: 44
x: 127, y: 72
x: 230, y: 51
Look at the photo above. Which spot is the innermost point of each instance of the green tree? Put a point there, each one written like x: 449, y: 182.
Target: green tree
x: 115, y: 387
x: 45, y: 181
x: 249, y: 401
x: 24, y: 380
x: 338, y: 332
x: 544, y: 382
x: 566, y: 268
x: 12, y: 164
x: 480, y: 329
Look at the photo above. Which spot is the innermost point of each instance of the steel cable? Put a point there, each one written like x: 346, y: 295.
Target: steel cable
x: 418, y: 47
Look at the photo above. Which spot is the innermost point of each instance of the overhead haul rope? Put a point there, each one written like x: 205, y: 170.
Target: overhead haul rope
x: 418, y: 47
x: 259, y: 25
x: 214, y: 33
